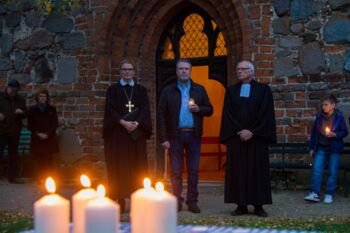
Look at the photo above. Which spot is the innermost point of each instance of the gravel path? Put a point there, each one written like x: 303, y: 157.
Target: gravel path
x: 20, y: 197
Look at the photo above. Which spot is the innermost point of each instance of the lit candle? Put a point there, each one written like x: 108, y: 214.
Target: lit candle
x: 102, y: 214
x: 51, y: 212
x: 191, y: 102
x: 80, y: 200
x: 153, y: 211
x: 161, y: 212
x: 138, y: 207
x: 328, y: 130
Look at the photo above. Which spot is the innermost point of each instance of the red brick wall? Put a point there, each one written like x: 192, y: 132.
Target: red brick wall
x: 117, y: 29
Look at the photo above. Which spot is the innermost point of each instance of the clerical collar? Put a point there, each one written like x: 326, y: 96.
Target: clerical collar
x: 245, y: 90
x: 124, y: 83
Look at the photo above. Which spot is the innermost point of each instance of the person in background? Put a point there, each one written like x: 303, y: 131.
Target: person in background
x: 43, y: 122
x: 326, y: 144
x: 12, y: 111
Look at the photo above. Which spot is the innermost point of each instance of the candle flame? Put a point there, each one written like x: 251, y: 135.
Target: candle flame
x: 85, y: 181
x: 50, y: 185
x: 147, y: 183
x: 159, y: 187
x: 328, y: 130
x: 101, y: 191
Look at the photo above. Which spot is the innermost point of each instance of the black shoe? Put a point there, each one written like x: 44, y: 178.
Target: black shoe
x: 240, y: 210
x: 260, y: 212
x: 194, y: 208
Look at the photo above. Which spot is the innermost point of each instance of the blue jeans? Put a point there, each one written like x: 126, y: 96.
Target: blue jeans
x: 191, y: 144
x: 322, y: 157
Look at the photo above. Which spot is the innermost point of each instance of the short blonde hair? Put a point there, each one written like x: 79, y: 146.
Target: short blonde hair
x: 127, y: 61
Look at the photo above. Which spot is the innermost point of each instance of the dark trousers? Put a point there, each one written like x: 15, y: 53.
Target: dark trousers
x: 13, y: 158
x: 44, y: 166
x: 191, y: 144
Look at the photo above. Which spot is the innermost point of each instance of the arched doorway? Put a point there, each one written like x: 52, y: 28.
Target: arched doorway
x: 194, y: 35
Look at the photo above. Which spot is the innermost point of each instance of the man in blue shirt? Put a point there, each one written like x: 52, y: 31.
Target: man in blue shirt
x: 182, y: 106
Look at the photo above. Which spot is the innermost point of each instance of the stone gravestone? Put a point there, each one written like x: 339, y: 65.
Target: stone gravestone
x: 70, y: 152
x: 69, y: 145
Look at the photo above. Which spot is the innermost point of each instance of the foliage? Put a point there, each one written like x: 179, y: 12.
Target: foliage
x: 45, y: 7
x: 14, y: 222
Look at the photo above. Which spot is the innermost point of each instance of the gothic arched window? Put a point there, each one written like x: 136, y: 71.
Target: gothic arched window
x: 194, y: 35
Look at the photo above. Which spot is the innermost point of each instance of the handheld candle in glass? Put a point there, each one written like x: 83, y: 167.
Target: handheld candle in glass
x: 191, y: 102
x: 102, y: 214
x: 80, y: 200
x: 51, y: 212
x: 327, y: 130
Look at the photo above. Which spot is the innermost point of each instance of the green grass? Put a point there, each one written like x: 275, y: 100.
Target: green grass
x: 12, y: 222
x: 331, y: 225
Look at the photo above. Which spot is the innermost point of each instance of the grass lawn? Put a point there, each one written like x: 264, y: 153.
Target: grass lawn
x: 15, y: 222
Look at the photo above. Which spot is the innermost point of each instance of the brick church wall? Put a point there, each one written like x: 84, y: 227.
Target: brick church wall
x: 301, y: 48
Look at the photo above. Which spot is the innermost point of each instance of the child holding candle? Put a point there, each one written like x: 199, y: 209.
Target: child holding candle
x: 326, y: 144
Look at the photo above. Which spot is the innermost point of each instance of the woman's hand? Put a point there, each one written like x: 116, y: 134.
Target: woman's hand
x: 129, y: 125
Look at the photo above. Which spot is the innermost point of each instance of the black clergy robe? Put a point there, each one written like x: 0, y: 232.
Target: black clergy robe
x: 126, y: 158
x: 247, y: 178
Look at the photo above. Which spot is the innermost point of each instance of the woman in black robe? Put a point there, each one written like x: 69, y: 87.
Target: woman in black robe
x: 248, y: 110
x: 43, y: 122
x: 126, y: 127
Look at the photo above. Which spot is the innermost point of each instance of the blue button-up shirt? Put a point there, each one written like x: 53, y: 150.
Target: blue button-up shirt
x: 185, y: 117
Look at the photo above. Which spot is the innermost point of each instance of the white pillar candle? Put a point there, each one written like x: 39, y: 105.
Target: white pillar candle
x: 51, y: 212
x: 102, y: 214
x: 153, y: 211
x: 138, y: 208
x: 80, y: 200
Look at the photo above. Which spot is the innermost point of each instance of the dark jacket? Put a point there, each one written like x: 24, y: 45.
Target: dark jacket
x: 43, y: 122
x: 12, y: 124
x: 339, y: 128
x: 169, y: 108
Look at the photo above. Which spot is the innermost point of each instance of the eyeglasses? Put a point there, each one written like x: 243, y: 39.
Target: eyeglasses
x: 127, y: 69
x: 242, y: 68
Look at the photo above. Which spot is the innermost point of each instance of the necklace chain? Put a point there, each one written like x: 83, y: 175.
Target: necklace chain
x: 129, y: 105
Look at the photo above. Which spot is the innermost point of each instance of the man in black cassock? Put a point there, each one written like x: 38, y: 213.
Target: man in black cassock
x: 126, y: 127
x: 247, y: 128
